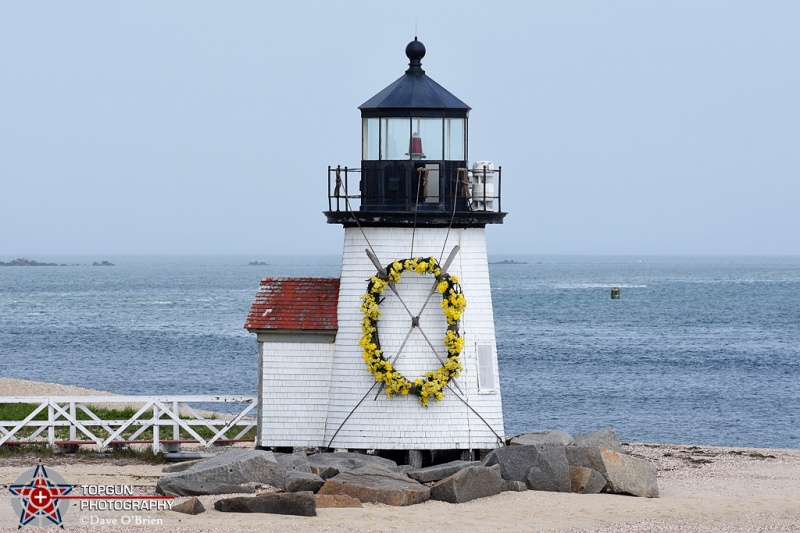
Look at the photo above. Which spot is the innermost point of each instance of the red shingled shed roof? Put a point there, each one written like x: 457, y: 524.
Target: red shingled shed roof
x: 300, y: 304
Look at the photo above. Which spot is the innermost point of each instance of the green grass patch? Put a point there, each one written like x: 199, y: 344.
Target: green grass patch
x: 140, y: 453
x: 40, y: 450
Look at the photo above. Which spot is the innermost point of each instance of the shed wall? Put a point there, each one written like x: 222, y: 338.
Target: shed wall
x: 294, y: 388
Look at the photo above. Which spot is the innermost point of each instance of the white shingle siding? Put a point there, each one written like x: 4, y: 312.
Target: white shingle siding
x: 309, y: 385
x: 294, y: 387
x: 401, y: 422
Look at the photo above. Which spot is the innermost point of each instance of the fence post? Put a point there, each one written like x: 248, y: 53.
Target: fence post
x: 176, y: 428
x: 51, y: 428
x: 72, y: 428
x: 156, y: 435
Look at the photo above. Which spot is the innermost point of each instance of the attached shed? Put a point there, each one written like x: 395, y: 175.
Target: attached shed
x: 295, y: 321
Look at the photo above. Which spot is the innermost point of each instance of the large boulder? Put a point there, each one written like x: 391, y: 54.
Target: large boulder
x: 377, y: 485
x: 297, y: 481
x: 438, y: 472
x: 586, y: 457
x: 605, y: 439
x: 586, y: 480
x: 229, y: 472
x: 514, y: 461
x: 545, y: 437
x: 293, y: 462
x: 550, y: 472
x: 337, y: 501
x: 629, y: 475
x: 540, y: 467
x: 297, y: 475
x: 328, y: 464
x: 469, y: 484
x: 291, y: 503
x: 181, y: 466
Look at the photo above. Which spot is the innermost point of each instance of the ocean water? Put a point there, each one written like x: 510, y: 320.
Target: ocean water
x: 701, y: 350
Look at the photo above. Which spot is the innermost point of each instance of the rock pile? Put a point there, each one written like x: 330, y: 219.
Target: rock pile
x: 553, y: 461
x: 587, y: 464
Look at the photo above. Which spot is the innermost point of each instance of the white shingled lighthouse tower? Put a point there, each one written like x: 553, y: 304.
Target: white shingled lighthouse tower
x: 412, y: 361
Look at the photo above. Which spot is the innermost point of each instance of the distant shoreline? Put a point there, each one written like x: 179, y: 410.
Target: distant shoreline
x: 25, y: 262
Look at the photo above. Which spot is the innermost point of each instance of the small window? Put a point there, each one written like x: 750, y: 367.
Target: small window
x: 395, y: 138
x: 454, y: 139
x: 371, y: 139
x: 486, y: 377
x: 429, y: 132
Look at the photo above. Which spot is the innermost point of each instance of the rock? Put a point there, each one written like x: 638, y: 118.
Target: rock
x: 540, y: 467
x: 377, y: 485
x: 347, y: 461
x: 229, y: 472
x: 180, y: 467
x: 587, y: 457
x: 438, y: 472
x: 229, y: 488
x: 546, y: 437
x: 325, y: 472
x: 514, y: 486
x: 469, y: 484
x: 586, y: 480
x: 629, y: 475
x: 550, y: 472
x: 337, y: 501
x: 602, y: 438
x: 297, y: 481
x: 293, y: 461
x: 514, y: 461
x: 291, y: 464
x: 191, y: 506
x: 291, y: 503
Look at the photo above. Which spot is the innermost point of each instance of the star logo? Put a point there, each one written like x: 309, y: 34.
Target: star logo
x: 39, y: 497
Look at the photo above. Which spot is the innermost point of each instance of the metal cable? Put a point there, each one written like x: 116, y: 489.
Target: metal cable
x: 499, y: 438
x: 350, y: 210
x: 452, y: 216
x: 351, y: 414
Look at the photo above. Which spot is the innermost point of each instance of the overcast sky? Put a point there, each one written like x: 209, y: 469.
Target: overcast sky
x: 207, y: 127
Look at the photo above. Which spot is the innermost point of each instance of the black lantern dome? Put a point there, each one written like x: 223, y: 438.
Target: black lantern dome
x: 414, y: 158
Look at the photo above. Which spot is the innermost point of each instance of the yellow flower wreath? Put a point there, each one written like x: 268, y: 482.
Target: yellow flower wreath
x: 453, y: 304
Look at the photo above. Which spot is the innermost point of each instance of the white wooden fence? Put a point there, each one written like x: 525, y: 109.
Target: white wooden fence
x: 156, y: 413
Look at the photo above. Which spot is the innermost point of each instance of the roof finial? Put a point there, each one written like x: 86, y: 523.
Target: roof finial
x: 415, y: 51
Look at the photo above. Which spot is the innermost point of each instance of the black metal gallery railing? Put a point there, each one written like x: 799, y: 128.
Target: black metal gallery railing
x: 422, y: 188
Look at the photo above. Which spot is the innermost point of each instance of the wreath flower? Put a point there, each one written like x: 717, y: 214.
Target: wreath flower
x: 432, y: 384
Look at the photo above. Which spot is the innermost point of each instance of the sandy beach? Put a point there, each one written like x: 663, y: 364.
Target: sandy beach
x: 703, y: 488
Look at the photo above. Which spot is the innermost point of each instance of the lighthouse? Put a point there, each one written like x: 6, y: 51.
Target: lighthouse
x: 399, y: 352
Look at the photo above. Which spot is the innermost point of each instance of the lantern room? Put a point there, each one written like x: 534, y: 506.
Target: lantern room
x: 414, y: 154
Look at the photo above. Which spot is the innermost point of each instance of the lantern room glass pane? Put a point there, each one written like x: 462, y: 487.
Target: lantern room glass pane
x: 430, y: 140
x: 371, y: 139
x: 395, y: 138
x: 454, y: 139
